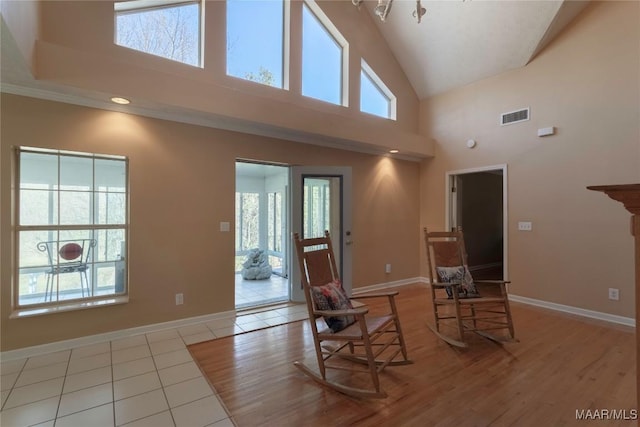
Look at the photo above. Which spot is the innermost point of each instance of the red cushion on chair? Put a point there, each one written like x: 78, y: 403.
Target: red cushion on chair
x: 70, y: 251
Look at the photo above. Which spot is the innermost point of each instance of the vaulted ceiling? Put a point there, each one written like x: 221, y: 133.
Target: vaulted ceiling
x: 459, y: 42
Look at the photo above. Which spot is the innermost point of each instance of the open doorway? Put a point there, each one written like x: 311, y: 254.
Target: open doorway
x: 261, y: 258
x: 477, y: 203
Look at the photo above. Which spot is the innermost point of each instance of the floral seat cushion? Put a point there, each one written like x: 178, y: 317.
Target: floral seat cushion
x: 333, y: 297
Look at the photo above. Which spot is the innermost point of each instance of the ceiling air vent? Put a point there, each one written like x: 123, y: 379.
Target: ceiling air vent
x: 514, y: 117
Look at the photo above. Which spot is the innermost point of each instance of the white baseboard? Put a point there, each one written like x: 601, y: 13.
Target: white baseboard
x: 612, y: 318
x: 37, y: 350
x: 627, y: 321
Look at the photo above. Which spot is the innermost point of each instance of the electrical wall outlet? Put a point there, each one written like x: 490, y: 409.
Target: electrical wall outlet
x: 614, y: 294
x: 179, y: 299
x: 387, y: 268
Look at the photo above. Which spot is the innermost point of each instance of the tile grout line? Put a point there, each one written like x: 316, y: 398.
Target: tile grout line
x: 14, y: 384
x: 113, y: 384
x: 141, y: 418
x: 164, y: 393
x: 238, y: 329
x: 64, y: 380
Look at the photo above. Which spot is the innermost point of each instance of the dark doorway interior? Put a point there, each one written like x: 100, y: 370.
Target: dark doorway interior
x: 479, y: 200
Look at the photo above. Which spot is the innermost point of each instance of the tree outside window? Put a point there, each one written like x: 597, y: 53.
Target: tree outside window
x: 168, y: 29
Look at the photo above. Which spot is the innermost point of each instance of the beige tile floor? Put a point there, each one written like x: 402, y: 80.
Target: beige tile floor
x: 141, y: 380
x: 256, y: 292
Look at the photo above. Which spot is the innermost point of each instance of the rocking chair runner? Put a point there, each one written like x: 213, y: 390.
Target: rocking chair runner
x: 479, y: 306
x: 374, y: 341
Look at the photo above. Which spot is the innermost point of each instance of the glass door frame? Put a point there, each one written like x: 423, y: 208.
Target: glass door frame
x: 344, y: 239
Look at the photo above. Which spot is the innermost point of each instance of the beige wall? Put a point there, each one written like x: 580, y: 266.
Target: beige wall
x: 586, y: 84
x: 182, y: 186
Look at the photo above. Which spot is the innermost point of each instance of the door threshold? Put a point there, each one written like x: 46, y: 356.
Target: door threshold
x: 274, y: 305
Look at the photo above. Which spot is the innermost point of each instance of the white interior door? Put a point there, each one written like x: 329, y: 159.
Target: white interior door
x: 321, y: 200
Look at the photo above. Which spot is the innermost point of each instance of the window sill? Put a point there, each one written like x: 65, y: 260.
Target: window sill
x: 72, y: 306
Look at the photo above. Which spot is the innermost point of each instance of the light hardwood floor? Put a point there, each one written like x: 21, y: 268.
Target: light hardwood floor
x: 561, y: 364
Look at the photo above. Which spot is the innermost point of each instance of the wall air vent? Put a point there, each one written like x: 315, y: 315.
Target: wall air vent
x: 514, y: 117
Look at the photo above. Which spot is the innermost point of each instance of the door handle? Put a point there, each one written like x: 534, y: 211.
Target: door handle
x: 348, y: 240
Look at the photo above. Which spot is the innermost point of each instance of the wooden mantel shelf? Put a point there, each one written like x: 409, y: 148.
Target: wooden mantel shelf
x: 627, y: 194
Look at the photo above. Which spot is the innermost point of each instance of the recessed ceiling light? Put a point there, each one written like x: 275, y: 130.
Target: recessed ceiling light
x: 122, y: 101
x: 394, y: 151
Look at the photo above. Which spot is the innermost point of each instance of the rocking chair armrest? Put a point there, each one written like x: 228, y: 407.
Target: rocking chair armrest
x: 348, y: 312
x: 492, y: 282
x: 375, y: 295
x: 446, y: 284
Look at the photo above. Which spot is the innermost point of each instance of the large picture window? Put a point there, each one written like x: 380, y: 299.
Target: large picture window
x: 72, y: 226
x: 166, y: 28
x: 255, y: 40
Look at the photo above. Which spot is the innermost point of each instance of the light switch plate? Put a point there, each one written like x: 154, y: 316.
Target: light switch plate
x: 225, y: 226
x: 525, y: 226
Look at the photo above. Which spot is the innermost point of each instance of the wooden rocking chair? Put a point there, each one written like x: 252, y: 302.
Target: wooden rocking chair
x: 460, y: 303
x: 352, y: 335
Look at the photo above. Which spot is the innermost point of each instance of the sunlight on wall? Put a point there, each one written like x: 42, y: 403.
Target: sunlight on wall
x: 115, y: 129
x: 383, y: 179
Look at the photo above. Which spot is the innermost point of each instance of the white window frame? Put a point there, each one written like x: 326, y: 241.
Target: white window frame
x: 377, y: 81
x: 81, y: 302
